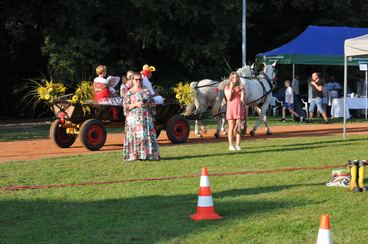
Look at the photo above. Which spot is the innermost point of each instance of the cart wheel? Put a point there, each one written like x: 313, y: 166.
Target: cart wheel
x: 177, y: 129
x: 92, y: 134
x: 59, y: 136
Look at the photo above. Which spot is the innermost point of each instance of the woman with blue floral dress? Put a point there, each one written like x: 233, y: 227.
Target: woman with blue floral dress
x: 140, y: 136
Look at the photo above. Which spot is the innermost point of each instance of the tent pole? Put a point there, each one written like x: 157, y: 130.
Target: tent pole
x: 345, y: 88
x: 244, y: 33
x: 366, y: 101
x: 293, y: 72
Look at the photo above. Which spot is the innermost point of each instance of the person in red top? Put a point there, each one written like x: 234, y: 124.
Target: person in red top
x: 103, y: 88
x: 234, y: 93
x: 100, y: 86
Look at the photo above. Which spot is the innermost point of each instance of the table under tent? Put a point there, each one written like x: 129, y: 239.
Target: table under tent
x: 354, y: 48
x: 317, y: 45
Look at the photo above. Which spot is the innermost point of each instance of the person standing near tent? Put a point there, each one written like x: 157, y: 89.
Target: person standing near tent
x: 295, y: 84
x: 309, y: 89
x: 317, y: 96
x: 325, y: 96
x: 333, y: 89
x: 289, y: 102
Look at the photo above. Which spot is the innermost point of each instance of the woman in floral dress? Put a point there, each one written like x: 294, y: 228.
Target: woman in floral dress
x: 140, y: 136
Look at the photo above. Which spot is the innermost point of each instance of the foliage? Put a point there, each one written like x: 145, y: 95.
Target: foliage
x: 83, y: 96
x: 187, y: 40
x: 184, y: 93
x: 163, y: 91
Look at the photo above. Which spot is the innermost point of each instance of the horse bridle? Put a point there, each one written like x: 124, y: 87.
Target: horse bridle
x: 265, y: 93
x: 265, y: 76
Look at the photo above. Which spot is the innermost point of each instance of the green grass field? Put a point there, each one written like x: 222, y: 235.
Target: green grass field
x: 282, y: 207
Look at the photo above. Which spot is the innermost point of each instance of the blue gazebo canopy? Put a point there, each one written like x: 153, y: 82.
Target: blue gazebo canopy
x: 316, y: 45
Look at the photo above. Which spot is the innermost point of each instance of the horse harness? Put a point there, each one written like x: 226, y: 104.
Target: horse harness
x: 214, y: 83
x: 262, y: 99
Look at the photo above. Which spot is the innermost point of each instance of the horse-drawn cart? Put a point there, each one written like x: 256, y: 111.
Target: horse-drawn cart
x: 72, y: 120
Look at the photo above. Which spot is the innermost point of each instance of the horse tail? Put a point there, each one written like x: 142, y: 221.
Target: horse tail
x: 192, y: 106
x: 220, y: 100
x: 193, y: 85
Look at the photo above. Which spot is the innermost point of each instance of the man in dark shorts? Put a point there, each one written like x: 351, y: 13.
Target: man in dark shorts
x: 317, y: 96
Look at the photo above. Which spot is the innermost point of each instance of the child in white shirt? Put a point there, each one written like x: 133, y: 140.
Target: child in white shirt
x: 289, y: 102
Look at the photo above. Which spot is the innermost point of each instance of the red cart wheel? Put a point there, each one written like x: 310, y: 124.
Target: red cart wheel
x: 93, y: 134
x: 177, y: 129
x: 59, y: 136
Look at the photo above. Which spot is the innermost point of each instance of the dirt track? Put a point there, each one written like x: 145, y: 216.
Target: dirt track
x: 35, y: 149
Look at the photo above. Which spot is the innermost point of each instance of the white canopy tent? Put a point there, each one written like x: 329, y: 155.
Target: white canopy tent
x: 353, y: 47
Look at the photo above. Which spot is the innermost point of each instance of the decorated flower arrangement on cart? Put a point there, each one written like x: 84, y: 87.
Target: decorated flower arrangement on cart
x: 78, y: 114
x: 184, y: 93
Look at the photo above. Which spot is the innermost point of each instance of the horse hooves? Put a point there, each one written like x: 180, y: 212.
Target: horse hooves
x: 217, y: 136
x: 252, y: 133
x: 268, y: 133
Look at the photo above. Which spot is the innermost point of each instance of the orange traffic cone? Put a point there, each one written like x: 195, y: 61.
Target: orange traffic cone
x: 205, y: 208
x: 324, y: 233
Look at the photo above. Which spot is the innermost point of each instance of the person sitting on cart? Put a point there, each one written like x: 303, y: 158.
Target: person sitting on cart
x: 123, y: 87
x: 103, y: 89
x: 126, y: 83
x: 146, y: 75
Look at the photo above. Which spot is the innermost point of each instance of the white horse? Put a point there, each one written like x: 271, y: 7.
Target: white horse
x: 258, y: 91
x: 246, y: 72
x: 205, y: 96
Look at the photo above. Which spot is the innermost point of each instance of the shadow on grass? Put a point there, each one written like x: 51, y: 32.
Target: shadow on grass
x: 328, y: 142
x: 261, y: 190
x: 138, y: 219
x: 273, y: 148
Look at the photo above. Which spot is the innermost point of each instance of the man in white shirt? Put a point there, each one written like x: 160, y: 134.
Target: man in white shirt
x: 146, y: 75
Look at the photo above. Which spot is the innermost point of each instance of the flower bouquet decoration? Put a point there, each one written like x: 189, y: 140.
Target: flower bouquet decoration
x: 183, y: 93
x: 83, y: 96
x: 43, y: 91
x: 49, y: 91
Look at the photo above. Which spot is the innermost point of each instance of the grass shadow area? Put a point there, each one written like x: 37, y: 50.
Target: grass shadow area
x: 143, y: 219
x: 278, y: 148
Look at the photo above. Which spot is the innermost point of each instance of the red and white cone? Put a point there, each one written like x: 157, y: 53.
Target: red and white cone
x: 205, y: 208
x: 324, y: 233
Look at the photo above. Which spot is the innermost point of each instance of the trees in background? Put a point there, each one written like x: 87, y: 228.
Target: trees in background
x: 184, y: 40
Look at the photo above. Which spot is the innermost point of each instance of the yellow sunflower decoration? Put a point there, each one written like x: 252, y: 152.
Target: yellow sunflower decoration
x: 183, y: 93
x: 83, y: 96
x: 50, y: 90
